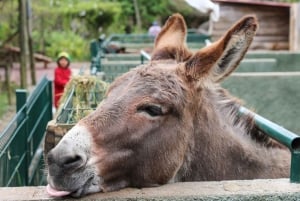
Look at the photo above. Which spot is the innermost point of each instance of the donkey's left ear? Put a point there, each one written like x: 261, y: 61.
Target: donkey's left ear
x: 171, y: 41
x: 222, y: 57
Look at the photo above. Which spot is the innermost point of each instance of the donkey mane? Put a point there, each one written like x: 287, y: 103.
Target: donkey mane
x: 230, y: 108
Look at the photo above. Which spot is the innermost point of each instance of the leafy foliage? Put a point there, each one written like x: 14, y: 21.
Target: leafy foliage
x: 156, y: 10
x: 71, y: 24
x: 74, y: 24
x: 91, y: 15
x: 8, y: 18
x: 4, y: 31
x: 66, y: 41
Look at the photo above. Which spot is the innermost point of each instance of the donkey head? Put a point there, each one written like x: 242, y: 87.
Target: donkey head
x: 143, y: 133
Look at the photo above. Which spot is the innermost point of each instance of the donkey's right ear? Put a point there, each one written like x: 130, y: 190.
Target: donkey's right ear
x: 171, y: 41
x: 221, y: 58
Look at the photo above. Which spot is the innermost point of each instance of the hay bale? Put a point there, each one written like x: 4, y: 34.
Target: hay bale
x: 82, y: 95
x: 85, y: 93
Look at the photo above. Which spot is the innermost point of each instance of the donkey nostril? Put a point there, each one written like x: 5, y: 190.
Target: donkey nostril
x: 75, y: 161
x: 71, y: 159
x: 50, y: 158
x: 67, y: 159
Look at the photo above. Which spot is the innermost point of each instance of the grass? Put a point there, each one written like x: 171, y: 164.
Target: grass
x: 4, y: 106
x: 3, y: 103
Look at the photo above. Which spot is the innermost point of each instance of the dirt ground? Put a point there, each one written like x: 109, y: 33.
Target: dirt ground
x: 41, y: 71
x: 7, y: 117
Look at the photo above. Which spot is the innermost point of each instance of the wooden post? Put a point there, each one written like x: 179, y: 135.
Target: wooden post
x: 295, y: 27
x: 21, y: 97
x: 24, y: 54
x: 30, y: 42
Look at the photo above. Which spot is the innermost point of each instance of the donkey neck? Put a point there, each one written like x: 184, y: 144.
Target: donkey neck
x: 223, y: 150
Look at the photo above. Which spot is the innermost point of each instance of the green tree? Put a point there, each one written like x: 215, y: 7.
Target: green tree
x: 72, y: 22
x: 69, y: 25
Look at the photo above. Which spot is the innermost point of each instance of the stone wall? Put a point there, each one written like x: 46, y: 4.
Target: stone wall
x: 273, y: 190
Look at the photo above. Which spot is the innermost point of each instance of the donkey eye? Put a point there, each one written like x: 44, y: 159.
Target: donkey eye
x: 152, y: 110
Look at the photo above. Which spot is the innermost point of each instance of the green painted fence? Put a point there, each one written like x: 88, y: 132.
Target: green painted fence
x: 21, y: 162
x: 273, y: 95
x: 142, y: 40
x: 105, y: 49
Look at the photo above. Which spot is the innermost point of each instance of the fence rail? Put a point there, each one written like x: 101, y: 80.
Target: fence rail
x: 133, y: 43
x: 284, y: 136
x: 20, y: 152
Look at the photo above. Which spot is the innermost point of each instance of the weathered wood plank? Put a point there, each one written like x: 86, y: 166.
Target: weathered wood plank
x: 295, y: 27
x: 274, y: 23
x: 278, y: 26
x: 269, y: 45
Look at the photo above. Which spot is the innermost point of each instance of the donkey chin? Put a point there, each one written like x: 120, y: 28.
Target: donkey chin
x: 70, y: 167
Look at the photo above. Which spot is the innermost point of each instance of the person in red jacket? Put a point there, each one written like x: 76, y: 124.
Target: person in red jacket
x: 62, y: 75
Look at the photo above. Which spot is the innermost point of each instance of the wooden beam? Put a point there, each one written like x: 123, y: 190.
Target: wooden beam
x: 295, y: 27
x: 37, y: 56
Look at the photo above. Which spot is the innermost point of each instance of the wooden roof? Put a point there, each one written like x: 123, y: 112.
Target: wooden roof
x: 37, y: 56
x: 255, y: 2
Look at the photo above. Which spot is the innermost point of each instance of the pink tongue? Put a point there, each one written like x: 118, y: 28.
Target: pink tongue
x: 55, y: 193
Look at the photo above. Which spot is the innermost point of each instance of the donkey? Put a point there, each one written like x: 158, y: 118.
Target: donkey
x: 168, y: 121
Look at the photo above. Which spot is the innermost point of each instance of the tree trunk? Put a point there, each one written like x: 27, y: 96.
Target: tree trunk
x: 42, y: 35
x: 30, y: 43
x: 137, y: 15
x: 24, y: 53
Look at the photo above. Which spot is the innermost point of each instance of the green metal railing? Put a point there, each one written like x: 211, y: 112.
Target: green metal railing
x: 145, y: 38
x: 282, y: 135
x: 144, y: 56
x: 20, y: 143
x: 96, y: 54
x: 99, y: 48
